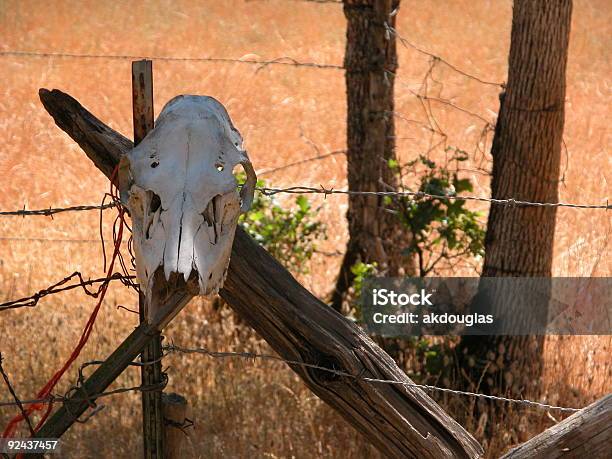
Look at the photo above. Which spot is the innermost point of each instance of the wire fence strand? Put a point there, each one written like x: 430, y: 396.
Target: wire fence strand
x: 177, y: 349
x: 56, y: 210
x: 51, y: 239
x: 261, y: 63
x: 62, y: 286
x: 282, y: 61
x: 88, y: 397
x: 173, y: 348
x: 408, y: 44
x: 511, y: 202
x: 301, y: 189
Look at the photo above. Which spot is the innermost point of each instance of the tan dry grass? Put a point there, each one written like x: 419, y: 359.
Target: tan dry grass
x: 246, y: 409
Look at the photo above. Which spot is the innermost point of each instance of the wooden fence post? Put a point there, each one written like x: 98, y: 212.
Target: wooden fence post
x: 142, y: 99
x: 175, y: 417
x: 151, y: 374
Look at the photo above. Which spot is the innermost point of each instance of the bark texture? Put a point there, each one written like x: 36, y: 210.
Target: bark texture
x: 527, y: 144
x: 526, y: 154
x: 586, y: 433
x: 371, y: 63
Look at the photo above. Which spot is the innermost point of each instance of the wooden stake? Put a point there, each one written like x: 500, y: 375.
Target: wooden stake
x: 175, y: 415
x: 151, y: 374
x: 142, y: 99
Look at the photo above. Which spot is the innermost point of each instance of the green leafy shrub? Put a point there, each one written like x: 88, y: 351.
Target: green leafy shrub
x: 288, y: 233
x: 361, y: 271
x: 440, y: 228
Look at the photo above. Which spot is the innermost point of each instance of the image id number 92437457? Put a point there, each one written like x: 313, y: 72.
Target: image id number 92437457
x: 29, y: 445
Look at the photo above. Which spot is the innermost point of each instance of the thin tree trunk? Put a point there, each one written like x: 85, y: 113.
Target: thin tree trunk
x: 371, y: 63
x: 526, y: 161
x: 527, y: 144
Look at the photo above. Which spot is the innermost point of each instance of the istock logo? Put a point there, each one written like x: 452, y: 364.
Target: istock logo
x: 384, y: 297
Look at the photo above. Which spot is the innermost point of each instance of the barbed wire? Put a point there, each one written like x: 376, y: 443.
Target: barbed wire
x: 408, y: 44
x: 50, y: 239
x: 173, y: 348
x: 78, y: 386
x: 301, y: 189
x: 302, y: 161
x: 60, y: 286
x: 52, y: 211
x: 177, y: 349
x: 11, y: 389
x: 450, y: 103
x: 88, y: 397
x: 511, y: 202
x: 261, y: 63
x: 283, y: 61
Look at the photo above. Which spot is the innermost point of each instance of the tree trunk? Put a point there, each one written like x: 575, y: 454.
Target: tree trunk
x: 526, y: 160
x: 371, y: 63
x: 527, y: 144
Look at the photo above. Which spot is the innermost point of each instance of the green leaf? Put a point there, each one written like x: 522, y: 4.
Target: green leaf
x: 303, y: 203
x: 462, y: 185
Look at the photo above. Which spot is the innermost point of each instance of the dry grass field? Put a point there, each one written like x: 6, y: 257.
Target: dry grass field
x: 244, y: 408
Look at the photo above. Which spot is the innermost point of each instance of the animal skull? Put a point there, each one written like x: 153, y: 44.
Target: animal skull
x: 179, y: 187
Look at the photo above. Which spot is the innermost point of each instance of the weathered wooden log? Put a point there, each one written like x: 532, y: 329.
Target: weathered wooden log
x: 586, y: 433
x: 400, y: 420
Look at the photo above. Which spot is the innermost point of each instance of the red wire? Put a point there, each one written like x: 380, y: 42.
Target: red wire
x: 50, y: 385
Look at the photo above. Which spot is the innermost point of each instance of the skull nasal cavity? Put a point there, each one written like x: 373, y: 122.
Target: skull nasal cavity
x: 154, y: 205
x: 155, y: 202
x: 210, y: 213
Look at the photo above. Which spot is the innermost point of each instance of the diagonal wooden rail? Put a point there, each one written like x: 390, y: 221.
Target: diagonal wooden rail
x: 586, y: 433
x: 401, y: 421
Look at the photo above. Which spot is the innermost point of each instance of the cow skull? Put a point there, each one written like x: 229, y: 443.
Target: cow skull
x: 179, y: 187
